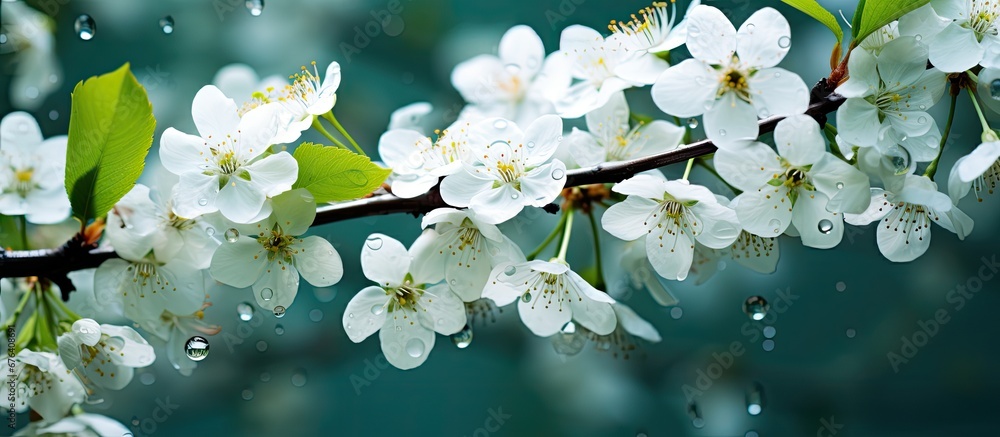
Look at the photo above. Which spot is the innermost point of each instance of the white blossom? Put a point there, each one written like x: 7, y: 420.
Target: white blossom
x: 32, y: 171
x: 105, y: 355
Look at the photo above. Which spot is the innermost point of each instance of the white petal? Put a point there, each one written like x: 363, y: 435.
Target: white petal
x: 521, y: 46
x: 899, y: 246
x: 957, y: 188
x: 757, y: 254
x: 955, y: 49
x: 239, y: 264
x: 407, y: 188
x: 847, y: 187
x: 686, y: 89
x: 283, y: 281
x: 902, y: 61
x: 644, y: 69
x: 584, y: 149
x: 458, y: 189
x: 731, y: 122
x: 497, y: 205
x: 214, y: 114
x: 764, y: 39
x: 766, y: 211
x: 858, y: 122
x: 670, y: 254
x: 294, y: 211
x: 711, y: 37
x: 237, y: 81
x: 649, y: 186
x: 318, y: 262
x: 778, y: 92
x: 475, y: 79
x: 748, y: 168
x: 542, y: 185
x: 499, y: 286
x: 817, y: 227
x: 720, y: 226
x: 541, y: 138
x: 426, y: 264
x: 799, y: 140
x: 543, y: 315
x: 405, y: 343
x: 634, y: 324
x: 240, y: 200
x: 627, y: 220
x: 400, y: 149
x: 181, y: 153
x: 878, y: 207
x: 596, y: 316
x: 20, y: 130
x: 365, y: 313
x: 385, y: 260
x: 440, y: 310
x: 194, y: 195
x: 976, y: 163
x: 274, y: 174
x: 864, y: 75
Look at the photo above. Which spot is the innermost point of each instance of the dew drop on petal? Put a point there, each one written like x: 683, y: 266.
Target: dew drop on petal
x: 568, y: 328
x: 896, y: 159
x: 299, y: 377
x: 415, y: 347
x: 918, y: 37
x: 526, y: 297
x: 376, y: 309
x: 256, y: 7
x: 196, y: 348
x: 511, y: 69
x: 751, y: 27
x: 374, y: 243
x: 694, y: 31
x: 514, y: 195
x: 245, y: 311
x: 776, y: 224
x: 85, y: 27
x: 825, y: 226
x: 500, y: 124
x: 453, y: 282
x: 203, y: 201
x: 995, y: 89
x: 784, y: 42
x: 398, y: 329
x: 840, y: 185
x: 699, y: 80
x: 167, y: 24
x: 266, y: 294
x: 210, y: 231
x: 530, y: 144
x: 232, y: 235
x: 558, y: 174
x: 510, y: 270
x: 722, y: 132
x: 692, y: 123
x: 462, y: 338
x: 279, y: 311
x: 756, y: 307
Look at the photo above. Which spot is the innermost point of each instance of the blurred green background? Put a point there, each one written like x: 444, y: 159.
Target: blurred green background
x: 312, y: 380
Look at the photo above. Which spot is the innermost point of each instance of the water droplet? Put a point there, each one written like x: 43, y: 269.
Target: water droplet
x: 135, y: 420
x: 751, y: 27
x: 918, y: 37
x: 265, y: 377
x: 514, y: 195
x: 279, y: 311
x: 769, y: 332
x: 784, y: 42
x: 840, y: 185
x: 203, y: 201
x: 510, y: 270
x: 247, y: 394
x: 694, y: 412
x: 210, y: 231
x: 676, y: 313
x: 722, y: 132
x: 316, y: 315
x: 526, y: 297
x: 500, y: 124
x: 530, y: 144
x: 374, y: 243
x: 767, y: 345
x: 262, y: 346
x: 512, y: 69
x: 841, y: 286
x: 775, y: 224
x: 755, y: 399
x: 922, y: 119
x: 896, y: 160
x: 279, y: 330
x: 266, y: 294
x: 167, y: 24
x: 299, y: 377
x: 415, y: 347
x: 922, y: 107
x: 558, y: 174
x: 692, y: 123
x: 825, y: 226
x: 398, y: 329
x: 232, y: 235
x: 377, y: 309
x: 995, y: 89
x: 147, y: 378
x: 777, y: 74
x: 756, y: 307
x: 699, y: 80
x: 325, y: 294
x: 85, y: 27
x: 53, y: 115
x: 851, y: 332
x: 196, y: 348
x: 462, y: 338
x: 568, y: 328
x: 256, y: 7
x: 245, y: 311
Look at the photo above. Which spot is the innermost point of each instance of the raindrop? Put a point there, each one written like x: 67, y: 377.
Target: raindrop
x: 279, y: 330
x: 247, y: 394
x: 299, y: 377
x: 398, y: 329
x: 530, y: 144
x: 147, y: 378
x: 763, y: 113
x: 325, y: 294
x: 256, y: 7
x: 825, y: 226
x: 784, y: 42
x: 755, y: 399
x: 316, y: 315
x: 699, y: 80
x: 374, y: 243
x: 722, y: 132
x: 676, y: 313
x: 3, y: 38
x: 995, y: 89
x: 750, y: 27
x: 510, y: 270
x: 694, y: 412
x: 262, y: 346
x: 569, y: 328
x: 53, y: 115
x: 692, y: 123
x: 769, y: 331
x: 453, y: 283
x: 767, y: 345
x: 918, y: 37
x: 896, y: 160
x: 196, y: 348
x: 167, y: 24
x: 203, y: 201
x: 922, y: 119
x: 777, y: 74
x: 776, y: 224
x: 841, y: 286
x: 232, y: 235
x: 245, y: 311
x: 85, y: 27
x: 377, y: 309
x: 279, y: 311
x: 500, y: 124
x: 840, y: 185
x: 526, y: 297
x: 415, y: 347
x: 756, y: 307
x: 210, y: 231
x: 851, y: 333
x: 462, y: 338
x: 266, y: 294
x: 558, y: 174
x: 514, y: 195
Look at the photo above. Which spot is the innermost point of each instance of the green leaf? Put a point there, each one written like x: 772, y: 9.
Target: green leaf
x: 10, y: 232
x: 856, y: 20
x: 813, y: 9
x: 110, y: 131
x: 333, y: 174
x: 878, y: 13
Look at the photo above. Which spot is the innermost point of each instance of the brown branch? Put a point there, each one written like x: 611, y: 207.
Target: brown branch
x: 55, y: 263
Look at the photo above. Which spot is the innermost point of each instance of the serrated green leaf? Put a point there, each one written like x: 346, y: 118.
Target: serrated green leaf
x: 334, y: 174
x: 819, y: 13
x: 110, y: 130
x: 878, y: 13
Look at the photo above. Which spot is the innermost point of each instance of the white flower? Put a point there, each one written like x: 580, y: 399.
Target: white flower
x: 959, y: 33
x: 508, y: 169
x: 979, y: 170
x: 174, y: 330
x: 241, y: 83
x: 269, y: 256
x: 622, y: 341
x: 905, y: 216
x: 467, y: 248
x: 417, y: 309
x: 602, y: 68
x: 29, y: 33
x: 732, y: 78
x: 519, y: 84
x: 654, y: 30
x: 410, y: 116
x: 756, y: 253
x: 549, y: 295
x: 222, y: 169
x: 106, y: 355
x: 32, y: 171
x: 610, y: 138
x: 145, y: 287
x: 888, y: 96
x: 308, y: 96
x: 43, y: 384
x: 804, y: 186
x: 417, y: 162
x: 639, y: 273
x: 671, y: 215
x: 79, y: 425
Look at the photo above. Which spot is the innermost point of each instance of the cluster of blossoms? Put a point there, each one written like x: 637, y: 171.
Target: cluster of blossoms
x: 235, y: 215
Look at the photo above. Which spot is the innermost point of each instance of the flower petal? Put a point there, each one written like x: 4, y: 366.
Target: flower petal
x: 687, y: 89
x: 240, y: 200
x: 214, y: 114
x: 731, y: 122
x: 318, y: 262
x: 955, y: 49
x: 764, y: 39
x: 711, y: 37
x: 817, y: 227
x: 522, y: 47
x: 384, y: 260
x: 543, y: 315
x: 441, y: 310
x: 799, y: 140
x: 627, y: 220
x: 766, y: 211
x: 543, y: 185
x: 405, y: 343
x: 497, y: 205
x: 365, y: 313
x: 274, y: 174
x: 778, y: 92
x: 459, y: 189
x: 748, y: 168
x: 858, y: 122
x: 283, y: 281
x: 542, y: 138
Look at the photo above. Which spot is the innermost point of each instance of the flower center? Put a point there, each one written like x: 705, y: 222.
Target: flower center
x: 645, y: 30
x: 405, y: 296
x: 277, y: 244
x: 179, y: 223
x: 988, y: 181
x: 304, y: 88
x: 734, y: 80
x: 22, y: 181
x: 982, y: 15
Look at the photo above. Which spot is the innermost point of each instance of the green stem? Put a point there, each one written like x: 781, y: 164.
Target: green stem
x: 565, y: 238
x: 12, y: 320
x: 979, y: 111
x: 24, y: 231
x: 56, y: 303
x: 329, y: 117
x: 687, y: 170
x: 319, y: 128
x: 831, y: 135
x: 599, y: 283
x: 932, y: 167
x: 552, y: 236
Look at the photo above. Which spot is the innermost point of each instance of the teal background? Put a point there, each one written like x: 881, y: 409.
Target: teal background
x: 814, y: 375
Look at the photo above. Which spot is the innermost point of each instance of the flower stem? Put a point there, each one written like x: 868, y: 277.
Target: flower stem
x: 12, y: 320
x: 23, y: 219
x: 687, y: 170
x: 566, y: 233
x: 319, y: 128
x: 599, y: 283
x: 552, y: 236
x: 979, y: 111
x: 333, y: 120
x: 932, y: 167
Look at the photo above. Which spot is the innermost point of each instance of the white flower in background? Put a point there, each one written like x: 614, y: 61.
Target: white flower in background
x: 467, y: 248
x: 671, y: 215
x: 653, y: 30
x: 223, y: 169
x: 147, y: 286
x: 639, y: 274
x: 979, y: 170
x: 241, y: 83
x: 105, y: 355
x: 32, y: 171
x: 804, y: 186
x: 756, y: 253
x: 879, y: 38
x: 43, y: 384
x: 905, y: 217
x: 417, y: 162
x: 79, y: 425
x: 137, y: 226
x: 601, y: 68
x: 888, y: 96
x: 549, y: 295
x: 610, y: 138
x: 519, y: 84
x: 83, y: 300
x: 960, y: 33
x: 508, y: 169
x: 270, y: 255
x: 174, y: 330
x: 622, y: 341
x: 404, y: 307
x: 308, y: 95
x: 410, y: 116
x: 732, y: 78
x: 29, y: 33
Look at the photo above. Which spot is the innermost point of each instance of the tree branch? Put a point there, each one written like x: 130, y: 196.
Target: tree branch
x: 55, y: 263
